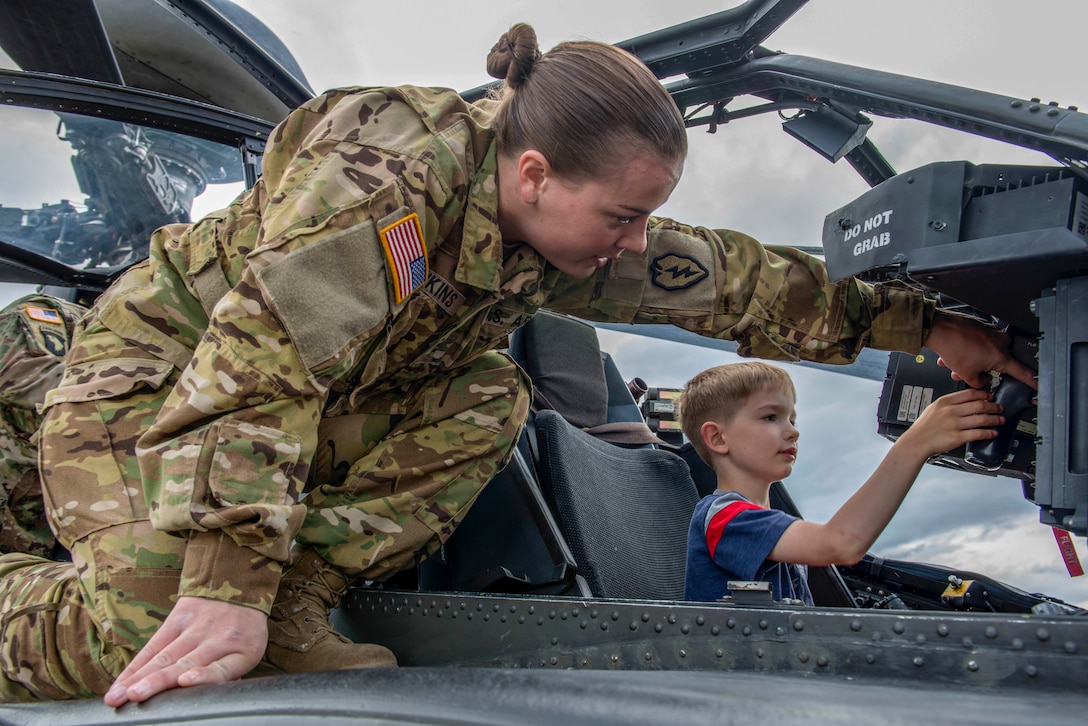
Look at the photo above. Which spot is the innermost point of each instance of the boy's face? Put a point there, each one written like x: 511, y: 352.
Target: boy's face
x: 761, y: 437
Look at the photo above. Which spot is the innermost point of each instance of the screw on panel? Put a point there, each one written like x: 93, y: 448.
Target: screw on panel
x: 760, y: 652
x: 615, y: 615
x: 718, y: 652
x: 685, y: 628
x: 633, y: 625
x: 870, y: 658
x: 972, y: 666
x: 763, y: 624
x: 899, y: 628
x: 855, y: 625
x: 822, y: 661
x: 942, y: 630
x: 1070, y: 647
x: 1042, y: 634
x: 802, y: 656
x: 798, y: 625
x: 919, y: 661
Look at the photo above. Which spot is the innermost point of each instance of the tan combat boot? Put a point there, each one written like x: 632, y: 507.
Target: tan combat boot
x: 300, y: 637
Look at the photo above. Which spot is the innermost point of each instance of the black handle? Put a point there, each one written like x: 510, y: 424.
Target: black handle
x: 1016, y: 398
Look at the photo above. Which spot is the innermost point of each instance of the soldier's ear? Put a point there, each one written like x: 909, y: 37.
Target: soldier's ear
x: 714, y: 438
x: 534, y: 175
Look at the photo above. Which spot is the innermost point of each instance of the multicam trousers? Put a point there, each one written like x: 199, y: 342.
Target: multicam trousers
x: 68, y: 629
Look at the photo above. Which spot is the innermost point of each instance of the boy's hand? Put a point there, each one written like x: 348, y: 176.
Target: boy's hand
x: 953, y: 420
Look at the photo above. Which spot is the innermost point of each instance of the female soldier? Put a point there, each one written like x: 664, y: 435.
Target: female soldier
x: 315, y: 364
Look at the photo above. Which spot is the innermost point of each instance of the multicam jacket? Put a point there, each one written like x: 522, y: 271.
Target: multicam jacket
x: 368, y: 259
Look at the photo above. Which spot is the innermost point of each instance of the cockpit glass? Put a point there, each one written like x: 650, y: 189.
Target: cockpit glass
x: 88, y: 192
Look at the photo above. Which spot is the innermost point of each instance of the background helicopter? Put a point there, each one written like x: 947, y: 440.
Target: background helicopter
x: 706, y: 206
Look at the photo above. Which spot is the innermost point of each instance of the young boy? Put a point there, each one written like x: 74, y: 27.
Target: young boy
x: 740, y: 419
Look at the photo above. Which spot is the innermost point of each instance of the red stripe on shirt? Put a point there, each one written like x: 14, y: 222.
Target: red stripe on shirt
x: 720, y: 519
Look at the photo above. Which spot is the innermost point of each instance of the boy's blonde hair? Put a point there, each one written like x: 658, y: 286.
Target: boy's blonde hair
x: 716, y: 393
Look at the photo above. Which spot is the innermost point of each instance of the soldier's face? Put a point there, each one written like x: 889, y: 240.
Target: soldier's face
x: 580, y: 226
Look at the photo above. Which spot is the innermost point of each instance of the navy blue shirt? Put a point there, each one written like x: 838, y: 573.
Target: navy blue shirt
x: 730, y: 539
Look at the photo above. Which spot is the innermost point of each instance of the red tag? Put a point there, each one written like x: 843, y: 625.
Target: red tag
x: 1069, y: 552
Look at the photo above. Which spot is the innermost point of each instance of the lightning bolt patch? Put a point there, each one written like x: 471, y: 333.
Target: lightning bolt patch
x: 676, y: 272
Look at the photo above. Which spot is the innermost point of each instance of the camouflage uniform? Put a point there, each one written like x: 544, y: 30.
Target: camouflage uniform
x: 34, y: 334
x: 290, y: 368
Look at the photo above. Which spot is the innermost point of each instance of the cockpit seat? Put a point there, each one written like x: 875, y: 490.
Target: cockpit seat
x: 624, y: 512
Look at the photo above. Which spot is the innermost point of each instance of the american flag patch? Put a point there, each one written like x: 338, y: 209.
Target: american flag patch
x: 407, y: 255
x: 43, y: 315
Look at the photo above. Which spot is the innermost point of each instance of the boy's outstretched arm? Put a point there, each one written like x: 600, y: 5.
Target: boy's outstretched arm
x: 948, y: 422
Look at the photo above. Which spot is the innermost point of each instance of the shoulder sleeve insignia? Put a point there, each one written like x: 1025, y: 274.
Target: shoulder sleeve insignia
x: 43, y: 315
x: 406, y: 253
x: 676, y: 272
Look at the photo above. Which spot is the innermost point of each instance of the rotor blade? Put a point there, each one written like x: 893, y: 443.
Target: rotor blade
x: 870, y: 364
x: 59, y: 36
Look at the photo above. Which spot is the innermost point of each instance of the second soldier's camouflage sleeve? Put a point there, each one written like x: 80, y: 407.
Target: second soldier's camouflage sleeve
x: 775, y: 302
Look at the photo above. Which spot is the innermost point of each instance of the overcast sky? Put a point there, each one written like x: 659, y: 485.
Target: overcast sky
x: 752, y: 177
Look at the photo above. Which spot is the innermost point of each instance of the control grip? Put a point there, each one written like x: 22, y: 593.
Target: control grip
x: 1016, y: 398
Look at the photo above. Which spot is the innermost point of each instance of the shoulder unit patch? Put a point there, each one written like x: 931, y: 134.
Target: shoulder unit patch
x: 677, y: 272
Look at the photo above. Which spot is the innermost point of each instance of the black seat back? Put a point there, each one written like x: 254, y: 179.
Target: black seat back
x: 624, y: 512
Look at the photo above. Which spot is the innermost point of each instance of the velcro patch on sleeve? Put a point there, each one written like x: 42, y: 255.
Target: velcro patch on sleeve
x: 406, y: 253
